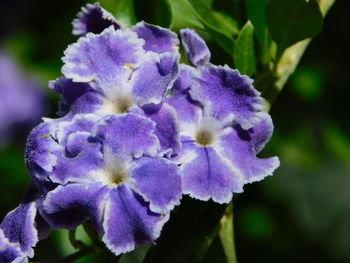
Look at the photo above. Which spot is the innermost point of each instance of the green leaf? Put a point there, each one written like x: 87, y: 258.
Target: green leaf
x: 244, y: 54
x: 291, y: 21
x: 122, y: 9
x: 163, y: 13
x: 214, y: 19
x: 222, y: 27
x: 183, y: 15
x: 195, y: 220
x: 256, y: 14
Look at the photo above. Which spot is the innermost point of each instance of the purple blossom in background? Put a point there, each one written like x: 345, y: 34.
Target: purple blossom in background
x: 22, y: 103
x: 136, y: 131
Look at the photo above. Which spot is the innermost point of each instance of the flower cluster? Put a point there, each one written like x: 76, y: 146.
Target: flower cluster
x: 136, y: 131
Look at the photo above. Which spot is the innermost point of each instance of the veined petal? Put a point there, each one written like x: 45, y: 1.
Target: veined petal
x: 107, y: 59
x: 196, y: 49
x: 206, y: 175
x: 129, y: 222
x: 157, y: 39
x: 158, y: 181
x: 156, y: 75
x: 93, y: 18
x: 226, y: 94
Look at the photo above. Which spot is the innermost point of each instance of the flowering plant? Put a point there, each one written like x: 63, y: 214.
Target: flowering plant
x: 137, y: 130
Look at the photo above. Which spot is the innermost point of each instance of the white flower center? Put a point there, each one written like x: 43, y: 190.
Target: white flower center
x: 120, y: 105
x: 116, y: 177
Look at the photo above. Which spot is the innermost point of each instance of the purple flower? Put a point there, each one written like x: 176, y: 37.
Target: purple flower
x: 22, y: 228
x: 222, y: 127
x: 109, y: 171
x: 136, y: 131
x: 93, y: 18
x: 122, y: 66
x: 21, y: 101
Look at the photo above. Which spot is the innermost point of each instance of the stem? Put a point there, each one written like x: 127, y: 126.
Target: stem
x: 116, y: 259
x: 226, y: 234
x: 93, y: 236
x: 79, y: 254
x: 77, y: 244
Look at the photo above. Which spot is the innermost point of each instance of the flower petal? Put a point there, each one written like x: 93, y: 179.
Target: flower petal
x: 71, y: 205
x: 129, y: 222
x: 158, y: 181
x: 166, y: 129
x: 107, y: 59
x: 226, y: 94
x: 240, y: 147
x: 188, y: 110
x: 261, y: 133
x: 93, y: 18
x: 196, y: 49
x: 127, y: 134
x: 39, y: 156
x: 156, y: 75
x: 10, y: 252
x: 19, y: 227
x: 206, y: 175
x: 157, y: 39
x: 80, y: 167
x: 77, y: 97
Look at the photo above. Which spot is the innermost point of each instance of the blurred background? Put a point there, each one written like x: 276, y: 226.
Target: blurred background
x: 301, y: 214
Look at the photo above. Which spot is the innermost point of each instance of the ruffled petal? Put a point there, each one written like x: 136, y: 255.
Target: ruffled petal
x: 19, y: 227
x: 188, y: 110
x: 107, y: 59
x: 40, y: 151
x: 260, y: 134
x: 158, y: 181
x: 77, y: 97
x: 228, y: 95
x: 196, y: 49
x: 166, y: 129
x: 129, y: 222
x: 93, y: 18
x: 71, y: 205
x: 79, y: 123
x: 127, y: 135
x: 240, y: 147
x: 80, y: 167
x: 10, y: 252
x: 206, y: 175
x: 157, y: 39
x: 48, y: 157
x: 156, y: 75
